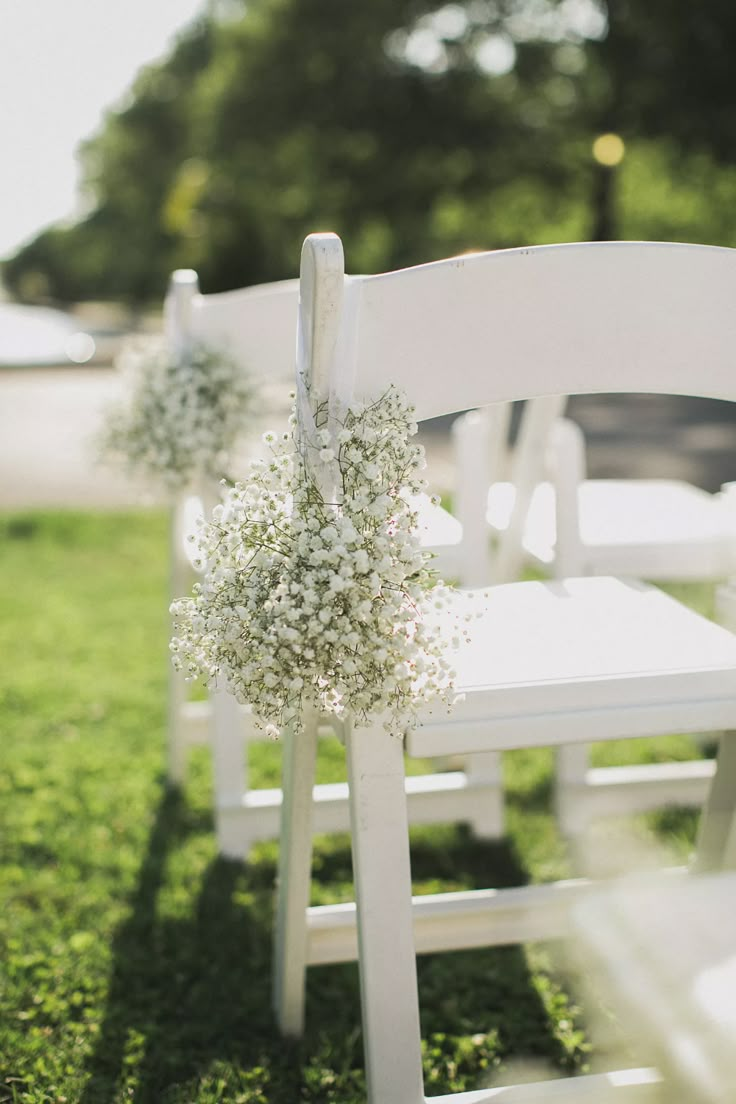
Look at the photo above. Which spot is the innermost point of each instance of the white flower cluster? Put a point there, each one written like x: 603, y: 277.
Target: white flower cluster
x: 181, y: 415
x: 326, y: 603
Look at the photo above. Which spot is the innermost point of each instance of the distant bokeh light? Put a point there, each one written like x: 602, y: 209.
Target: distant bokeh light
x: 609, y: 150
x: 80, y: 347
x: 496, y: 55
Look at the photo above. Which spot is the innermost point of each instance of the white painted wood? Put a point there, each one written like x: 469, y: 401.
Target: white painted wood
x: 728, y: 861
x: 182, y: 291
x: 527, y: 466
x: 388, y: 978
x: 320, y: 303
x: 177, y: 725
x: 484, y: 772
x: 571, y: 780
x: 551, y: 662
x: 630, y: 790
x: 479, y: 433
x: 566, y: 461
x: 656, y: 528
x: 535, y: 729
x: 441, y: 535
x: 195, y: 719
x: 177, y: 313
x: 659, y: 529
x: 715, y: 829
x: 457, y: 921
x: 257, y: 326
x: 294, y: 878
x: 607, y: 316
x: 228, y: 754
x: 726, y: 605
x: 191, y: 508
x: 581, y: 644
x: 632, y: 1085
x: 665, y: 953
x: 432, y: 798
x: 231, y: 727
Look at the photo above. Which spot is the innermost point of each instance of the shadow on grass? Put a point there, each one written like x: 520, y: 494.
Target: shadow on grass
x: 183, y: 992
x: 188, y: 1013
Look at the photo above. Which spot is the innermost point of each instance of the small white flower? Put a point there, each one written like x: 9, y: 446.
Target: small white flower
x: 182, y: 414
x: 308, y: 601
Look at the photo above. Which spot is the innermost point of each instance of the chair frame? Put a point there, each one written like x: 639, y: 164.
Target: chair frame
x: 257, y: 325
x: 551, y: 446
x: 402, y: 321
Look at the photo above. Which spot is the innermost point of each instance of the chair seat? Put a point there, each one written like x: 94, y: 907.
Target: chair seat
x: 656, y: 528
x: 545, y: 655
x: 440, y: 533
x: 437, y: 526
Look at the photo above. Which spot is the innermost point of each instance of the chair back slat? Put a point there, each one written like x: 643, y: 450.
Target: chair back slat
x: 561, y: 319
x: 322, y: 280
x: 255, y: 325
x: 183, y: 290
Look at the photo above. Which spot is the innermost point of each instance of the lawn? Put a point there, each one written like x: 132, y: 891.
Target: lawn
x: 135, y: 964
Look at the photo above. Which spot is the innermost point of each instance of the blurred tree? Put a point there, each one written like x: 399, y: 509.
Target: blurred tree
x: 670, y: 72
x: 384, y: 125
x: 664, y: 71
x: 396, y: 122
x: 122, y: 249
x: 415, y: 128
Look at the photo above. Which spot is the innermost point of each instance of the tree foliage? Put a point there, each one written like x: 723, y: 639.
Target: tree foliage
x: 413, y: 127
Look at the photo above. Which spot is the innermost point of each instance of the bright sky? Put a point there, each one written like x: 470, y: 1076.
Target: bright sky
x: 62, y: 63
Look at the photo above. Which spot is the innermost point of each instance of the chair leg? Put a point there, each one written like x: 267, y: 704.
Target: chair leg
x: 387, y: 960
x: 487, y: 813
x: 726, y: 605
x: 177, y: 688
x: 294, y: 878
x: 571, y: 807
x: 716, y: 842
x: 229, y: 769
x: 716, y: 848
x: 177, y: 746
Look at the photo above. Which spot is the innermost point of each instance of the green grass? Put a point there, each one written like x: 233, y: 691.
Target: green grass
x: 135, y: 964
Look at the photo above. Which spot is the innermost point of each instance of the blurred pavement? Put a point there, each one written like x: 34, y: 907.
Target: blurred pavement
x: 48, y: 419
x: 49, y: 416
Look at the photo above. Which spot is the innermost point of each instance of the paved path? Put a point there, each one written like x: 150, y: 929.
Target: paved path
x: 659, y: 435
x: 48, y: 418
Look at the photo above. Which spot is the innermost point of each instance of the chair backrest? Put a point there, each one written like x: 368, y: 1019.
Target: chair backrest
x: 255, y: 325
x: 493, y: 327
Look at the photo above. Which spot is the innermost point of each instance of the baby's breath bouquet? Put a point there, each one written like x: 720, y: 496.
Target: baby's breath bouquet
x: 181, y: 414
x: 321, y: 597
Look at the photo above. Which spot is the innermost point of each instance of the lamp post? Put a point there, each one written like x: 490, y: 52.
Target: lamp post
x: 608, y: 153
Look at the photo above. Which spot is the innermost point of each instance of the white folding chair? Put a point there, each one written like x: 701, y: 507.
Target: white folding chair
x: 256, y: 326
x: 544, y: 511
x: 570, y: 660
x: 661, y: 529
